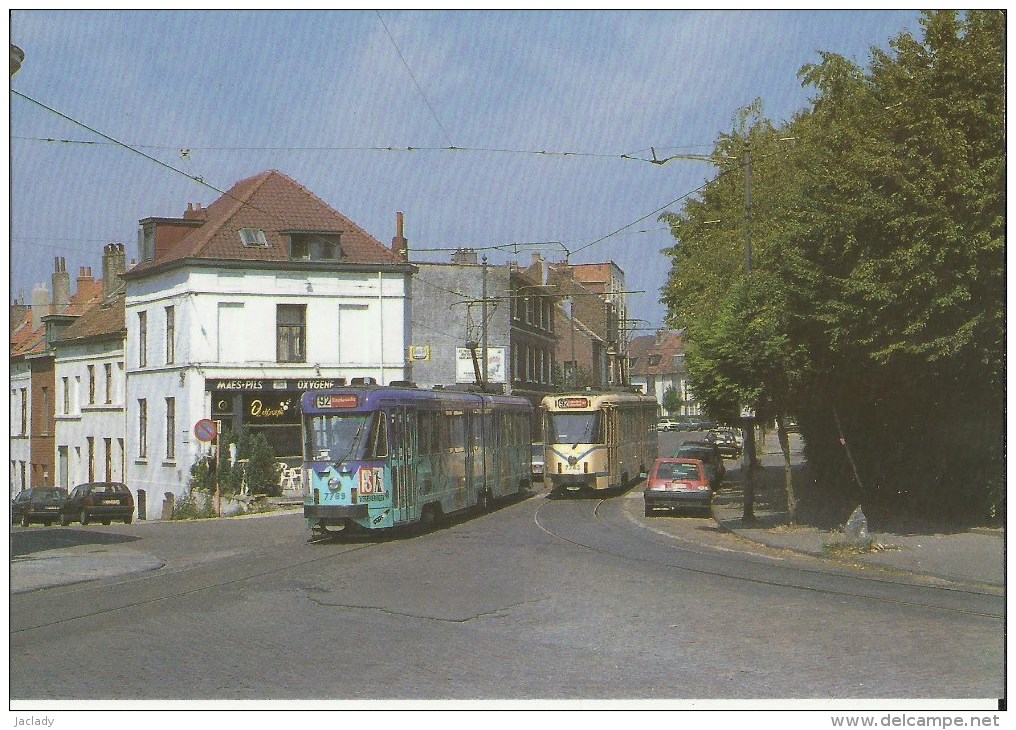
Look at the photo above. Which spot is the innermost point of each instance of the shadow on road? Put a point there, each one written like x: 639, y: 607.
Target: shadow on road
x: 26, y: 542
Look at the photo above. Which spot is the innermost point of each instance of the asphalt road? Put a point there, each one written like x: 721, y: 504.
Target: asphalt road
x: 539, y: 599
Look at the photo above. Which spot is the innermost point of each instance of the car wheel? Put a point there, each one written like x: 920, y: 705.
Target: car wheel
x: 65, y: 520
x: 127, y: 520
x: 24, y: 520
x: 47, y: 523
x: 106, y: 522
x: 649, y: 511
x: 84, y: 518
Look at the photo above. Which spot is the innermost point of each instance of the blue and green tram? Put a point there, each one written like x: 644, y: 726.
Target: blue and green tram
x: 387, y: 456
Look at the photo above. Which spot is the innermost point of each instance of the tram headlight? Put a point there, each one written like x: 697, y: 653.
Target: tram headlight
x: 333, y: 484
x: 572, y: 460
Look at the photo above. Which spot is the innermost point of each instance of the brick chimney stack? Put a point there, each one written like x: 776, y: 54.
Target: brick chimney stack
x: 400, y: 245
x: 61, y: 286
x: 114, y: 264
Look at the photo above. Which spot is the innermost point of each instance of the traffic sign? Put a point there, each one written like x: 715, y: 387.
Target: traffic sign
x: 206, y: 430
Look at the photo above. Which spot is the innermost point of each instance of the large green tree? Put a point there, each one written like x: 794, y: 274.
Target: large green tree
x: 875, y: 305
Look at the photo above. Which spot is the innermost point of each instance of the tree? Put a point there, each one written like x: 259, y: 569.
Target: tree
x: 875, y: 306
x: 672, y: 401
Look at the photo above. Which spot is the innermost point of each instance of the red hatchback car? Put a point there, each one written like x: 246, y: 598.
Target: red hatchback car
x: 675, y: 483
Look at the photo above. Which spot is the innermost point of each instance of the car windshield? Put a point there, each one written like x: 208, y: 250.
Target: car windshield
x: 705, y: 455
x: 48, y: 493
x: 108, y: 489
x: 669, y: 470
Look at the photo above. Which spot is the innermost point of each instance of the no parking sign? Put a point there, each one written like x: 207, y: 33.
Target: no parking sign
x: 205, y: 430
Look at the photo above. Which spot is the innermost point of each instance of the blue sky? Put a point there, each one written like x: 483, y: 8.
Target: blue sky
x: 313, y: 94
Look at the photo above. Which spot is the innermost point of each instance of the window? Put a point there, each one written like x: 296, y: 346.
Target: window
x: 170, y: 334
x: 291, y: 335
x: 253, y: 238
x: 91, y: 385
x: 146, y: 242
x: 170, y: 429
x: 45, y: 411
x: 108, y: 443
x: 109, y: 382
x: 91, y: 458
x: 24, y: 411
x: 142, y: 339
x: 142, y: 428
x: 314, y: 246
x: 66, y: 383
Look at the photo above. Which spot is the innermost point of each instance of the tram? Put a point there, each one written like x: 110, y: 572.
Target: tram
x: 386, y: 456
x: 598, y: 440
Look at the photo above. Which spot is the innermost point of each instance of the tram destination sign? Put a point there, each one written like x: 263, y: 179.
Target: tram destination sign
x: 255, y: 384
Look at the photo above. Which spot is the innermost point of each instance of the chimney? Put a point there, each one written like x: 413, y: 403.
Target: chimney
x: 537, y: 258
x: 61, y: 285
x: 195, y: 212
x: 85, y: 278
x: 40, y: 304
x: 464, y: 256
x: 114, y: 264
x: 400, y: 246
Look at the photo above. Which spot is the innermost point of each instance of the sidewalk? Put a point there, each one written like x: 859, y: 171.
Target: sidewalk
x: 970, y: 556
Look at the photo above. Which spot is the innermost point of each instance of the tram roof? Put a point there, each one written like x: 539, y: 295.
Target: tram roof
x: 370, y: 396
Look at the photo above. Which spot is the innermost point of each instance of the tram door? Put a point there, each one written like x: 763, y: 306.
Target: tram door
x: 405, y: 505
x: 612, y: 438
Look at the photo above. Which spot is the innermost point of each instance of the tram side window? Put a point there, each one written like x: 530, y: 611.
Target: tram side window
x: 426, y: 439
x: 457, y: 432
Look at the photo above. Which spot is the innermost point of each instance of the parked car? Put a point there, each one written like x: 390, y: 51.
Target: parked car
x: 666, y: 424
x: 38, y: 504
x: 726, y: 442
x: 99, y: 501
x: 710, y: 457
x: 537, y: 460
x: 675, y: 483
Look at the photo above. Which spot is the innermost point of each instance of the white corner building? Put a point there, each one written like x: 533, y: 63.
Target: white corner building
x: 235, y: 310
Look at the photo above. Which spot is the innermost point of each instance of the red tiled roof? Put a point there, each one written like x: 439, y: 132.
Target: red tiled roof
x: 664, y: 344
x: 101, y: 318
x: 272, y: 202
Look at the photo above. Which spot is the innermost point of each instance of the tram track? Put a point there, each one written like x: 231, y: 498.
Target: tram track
x: 941, y: 598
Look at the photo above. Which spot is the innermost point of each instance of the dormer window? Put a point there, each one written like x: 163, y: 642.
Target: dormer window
x: 253, y: 238
x: 655, y: 360
x: 314, y: 246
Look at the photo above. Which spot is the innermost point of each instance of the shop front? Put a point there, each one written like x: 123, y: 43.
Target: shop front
x: 267, y: 406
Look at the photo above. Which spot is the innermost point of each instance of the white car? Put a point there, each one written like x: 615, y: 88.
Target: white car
x: 666, y: 424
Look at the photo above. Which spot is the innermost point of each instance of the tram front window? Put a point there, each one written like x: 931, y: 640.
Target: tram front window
x: 338, y: 438
x: 574, y: 428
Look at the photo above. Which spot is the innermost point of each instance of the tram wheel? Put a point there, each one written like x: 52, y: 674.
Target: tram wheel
x: 430, y: 516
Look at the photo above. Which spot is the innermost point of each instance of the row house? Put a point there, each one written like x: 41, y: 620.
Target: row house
x: 235, y: 310
x: 33, y: 379
x: 90, y: 382
x: 657, y: 366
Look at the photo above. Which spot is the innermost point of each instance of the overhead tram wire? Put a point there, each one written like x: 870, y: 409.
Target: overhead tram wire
x: 413, y: 77
x: 193, y: 178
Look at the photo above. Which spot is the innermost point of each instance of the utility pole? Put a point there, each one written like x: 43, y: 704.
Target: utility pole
x: 483, y: 326
x: 748, y: 454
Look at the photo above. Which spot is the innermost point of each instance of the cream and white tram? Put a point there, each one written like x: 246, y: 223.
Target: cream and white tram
x: 597, y: 440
